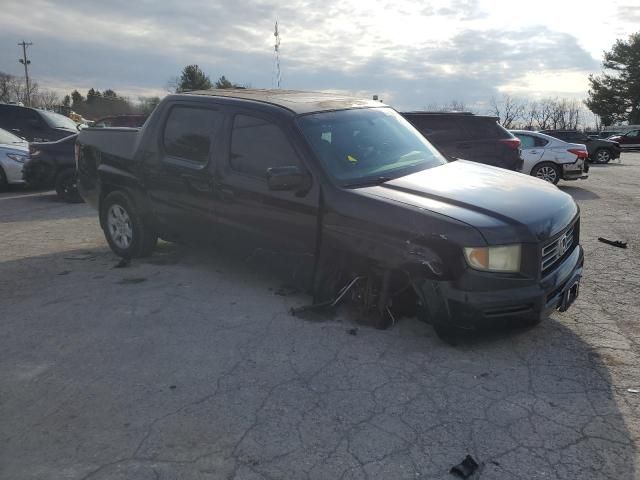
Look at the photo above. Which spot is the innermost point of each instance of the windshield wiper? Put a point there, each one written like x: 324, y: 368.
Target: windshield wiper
x: 369, y: 182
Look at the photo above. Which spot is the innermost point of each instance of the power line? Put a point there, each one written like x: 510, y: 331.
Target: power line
x: 26, y: 62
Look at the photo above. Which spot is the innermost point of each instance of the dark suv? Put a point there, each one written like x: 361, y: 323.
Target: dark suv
x: 600, y: 150
x: 467, y: 136
x: 35, y: 125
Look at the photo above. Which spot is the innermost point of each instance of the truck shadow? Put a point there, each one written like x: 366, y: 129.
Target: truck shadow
x: 42, y: 205
x: 526, y: 403
x: 579, y: 193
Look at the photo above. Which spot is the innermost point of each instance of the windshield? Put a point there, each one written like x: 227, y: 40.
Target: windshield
x: 9, y: 138
x: 56, y: 120
x: 367, y: 145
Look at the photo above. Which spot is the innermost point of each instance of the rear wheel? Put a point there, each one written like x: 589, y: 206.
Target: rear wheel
x: 602, y: 155
x: 66, y: 186
x: 547, y: 171
x: 3, y: 180
x: 124, y: 230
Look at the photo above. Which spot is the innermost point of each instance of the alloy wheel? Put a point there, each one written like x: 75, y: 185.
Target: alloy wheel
x: 120, y: 226
x: 548, y: 174
x: 603, y: 156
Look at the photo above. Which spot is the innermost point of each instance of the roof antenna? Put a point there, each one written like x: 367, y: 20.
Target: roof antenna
x: 276, y: 51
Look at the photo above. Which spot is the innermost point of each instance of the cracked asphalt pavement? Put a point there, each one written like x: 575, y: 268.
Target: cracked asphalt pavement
x: 187, y: 365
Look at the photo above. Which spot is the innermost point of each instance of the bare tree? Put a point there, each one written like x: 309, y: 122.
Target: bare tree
x: 6, y: 88
x: 508, y: 109
x: 450, y: 106
x: 46, y: 99
x: 529, y: 115
x: 544, y: 113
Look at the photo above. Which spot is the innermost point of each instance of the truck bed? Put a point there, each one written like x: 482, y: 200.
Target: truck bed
x: 101, y: 153
x: 118, y: 142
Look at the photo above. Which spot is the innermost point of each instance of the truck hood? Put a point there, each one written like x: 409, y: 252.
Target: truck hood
x: 505, y: 207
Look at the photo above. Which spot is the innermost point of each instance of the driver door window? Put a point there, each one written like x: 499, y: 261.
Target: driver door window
x: 256, y: 145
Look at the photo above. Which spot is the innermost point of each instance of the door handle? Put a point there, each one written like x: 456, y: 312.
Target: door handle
x: 533, y: 151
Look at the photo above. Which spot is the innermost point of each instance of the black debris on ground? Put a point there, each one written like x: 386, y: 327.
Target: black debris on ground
x: 615, y: 243
x: 64, y: 272
x: 123, y: 263
x: 285, y: 291
x: 131, y: 280
x: 466, y: 468
x: 352, y: 331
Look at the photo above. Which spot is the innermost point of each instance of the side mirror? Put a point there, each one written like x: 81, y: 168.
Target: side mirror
x: 286, y: 178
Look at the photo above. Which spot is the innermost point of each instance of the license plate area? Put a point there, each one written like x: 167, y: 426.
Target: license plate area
x: 569, y: 295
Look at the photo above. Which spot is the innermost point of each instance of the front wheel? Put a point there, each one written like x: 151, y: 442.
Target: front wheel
x: 124, y: 230
x: 602, y: 155
x: 547, y: 171
x: 66, y: 186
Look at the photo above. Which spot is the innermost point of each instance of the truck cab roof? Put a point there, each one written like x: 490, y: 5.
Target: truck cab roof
x: 296, y: 101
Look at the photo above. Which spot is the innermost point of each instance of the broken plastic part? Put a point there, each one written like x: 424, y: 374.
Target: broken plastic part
x: 466, y: 468
x: 330, y: 303
x: 615, y: 243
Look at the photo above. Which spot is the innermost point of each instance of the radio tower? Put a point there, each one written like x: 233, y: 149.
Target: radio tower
x: 276, y: 53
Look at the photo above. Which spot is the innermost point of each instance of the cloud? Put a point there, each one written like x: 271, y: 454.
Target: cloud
x: 412, y: 54
x: 629, y: 13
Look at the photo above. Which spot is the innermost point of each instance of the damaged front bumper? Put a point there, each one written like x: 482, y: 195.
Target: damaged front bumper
x: 447, y: 304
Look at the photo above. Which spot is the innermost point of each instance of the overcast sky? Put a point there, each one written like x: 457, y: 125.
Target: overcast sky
x: 413, y: 54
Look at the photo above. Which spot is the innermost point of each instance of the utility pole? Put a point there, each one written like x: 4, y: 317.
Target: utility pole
x: 26, y: 63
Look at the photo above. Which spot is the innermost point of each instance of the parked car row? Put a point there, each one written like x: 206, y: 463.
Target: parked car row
x: 600, y: 150
x: 551, y: 155
x: 479, y: 138
x: 37, y: 147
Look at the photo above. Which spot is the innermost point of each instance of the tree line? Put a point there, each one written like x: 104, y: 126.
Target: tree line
x: 98, y: 104
x: 14, y: 89
x: 613, y: 97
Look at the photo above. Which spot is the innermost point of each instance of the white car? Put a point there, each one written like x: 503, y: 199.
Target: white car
x: 550, y: 158
x: 14, y: 151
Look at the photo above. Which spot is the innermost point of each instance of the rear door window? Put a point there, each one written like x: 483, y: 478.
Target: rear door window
x: 479, y: 128
x: 258, y: 144
x: 531, y: 141
x: 526, y: 141
x: 188, y: 133
x: 540, y: 142
x: 440, y: 129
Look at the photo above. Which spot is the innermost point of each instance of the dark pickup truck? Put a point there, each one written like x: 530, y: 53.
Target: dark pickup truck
x: 348, y: 183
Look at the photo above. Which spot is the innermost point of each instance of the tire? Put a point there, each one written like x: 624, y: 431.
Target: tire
x: 66, y: 187
x: 602, y: 155
x: 3, y: 181
x: 547, y: 171
x: 126, y: 233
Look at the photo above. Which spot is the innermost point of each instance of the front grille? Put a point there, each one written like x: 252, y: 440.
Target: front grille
x: 554, y: 251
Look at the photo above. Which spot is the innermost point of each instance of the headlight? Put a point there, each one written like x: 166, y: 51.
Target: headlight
x: 18, y: 158
x: 494, y: 259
